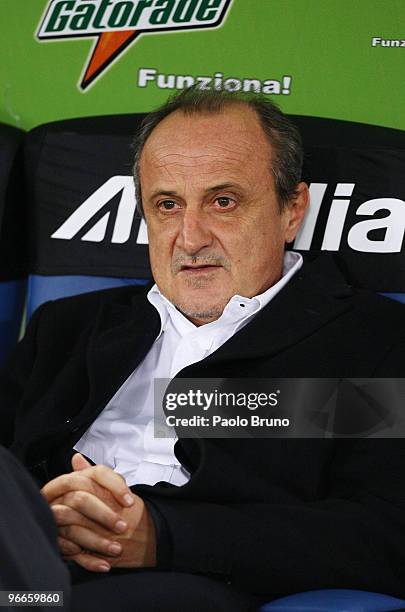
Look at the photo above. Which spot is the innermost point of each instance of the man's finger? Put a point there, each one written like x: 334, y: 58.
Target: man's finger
x: 79, y: 462
x: 88, y: 480
x: 57, y: 487
x: 68, y: 548
x: 113, y: 482
x: 83, y: 508
x: 90, y: 541
x: 64, y: 516
x: 90, y: 562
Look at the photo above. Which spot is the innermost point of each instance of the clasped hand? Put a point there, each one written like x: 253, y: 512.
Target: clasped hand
x: 101, y: 523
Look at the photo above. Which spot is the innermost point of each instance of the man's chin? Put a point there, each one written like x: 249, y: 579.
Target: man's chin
x: 198, y: 313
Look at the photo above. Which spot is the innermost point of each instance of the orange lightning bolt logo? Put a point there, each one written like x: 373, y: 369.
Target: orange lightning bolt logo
x: 107, y: 48
x: 117, y: 24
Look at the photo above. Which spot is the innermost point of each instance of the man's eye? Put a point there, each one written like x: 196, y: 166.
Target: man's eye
x: 167, y: 205
x: 225, y: 202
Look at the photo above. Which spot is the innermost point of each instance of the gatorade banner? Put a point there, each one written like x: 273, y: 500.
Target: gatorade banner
x: 75, y: 58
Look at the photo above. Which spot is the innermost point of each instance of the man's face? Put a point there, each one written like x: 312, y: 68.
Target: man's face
x: 214, y: 223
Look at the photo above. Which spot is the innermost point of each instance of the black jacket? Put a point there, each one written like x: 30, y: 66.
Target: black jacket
x: 273, y: 516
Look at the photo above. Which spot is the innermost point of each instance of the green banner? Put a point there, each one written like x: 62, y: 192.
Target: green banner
x: 75, y: 58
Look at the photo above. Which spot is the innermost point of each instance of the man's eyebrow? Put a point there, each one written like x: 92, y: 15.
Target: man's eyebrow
x: 208, y: 190
x: 223, y: 186
x: 162, y: 192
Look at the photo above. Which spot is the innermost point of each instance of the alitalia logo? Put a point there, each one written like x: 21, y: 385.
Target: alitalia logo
x: 116, y: 24
x: 358, y: 238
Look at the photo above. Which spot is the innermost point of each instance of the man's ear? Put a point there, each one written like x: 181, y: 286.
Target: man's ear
x: 296, y: 210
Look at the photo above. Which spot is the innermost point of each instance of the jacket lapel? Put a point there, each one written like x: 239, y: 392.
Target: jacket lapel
x: 122, y: 337
x: 304, y: 305
x: 123, y: 334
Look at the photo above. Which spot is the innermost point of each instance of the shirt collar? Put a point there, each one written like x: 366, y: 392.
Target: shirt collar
x: 238, y: 310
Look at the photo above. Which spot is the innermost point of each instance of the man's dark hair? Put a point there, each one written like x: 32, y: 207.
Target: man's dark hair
x: 282, y: 134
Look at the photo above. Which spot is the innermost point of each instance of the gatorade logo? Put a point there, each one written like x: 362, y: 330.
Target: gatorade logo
x: 117, y: 23
x: 358, y: 238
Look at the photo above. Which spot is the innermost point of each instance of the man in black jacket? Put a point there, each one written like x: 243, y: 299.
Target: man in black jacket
x: 218, y: 179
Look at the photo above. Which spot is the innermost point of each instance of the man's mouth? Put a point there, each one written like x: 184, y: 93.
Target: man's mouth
x: 194, y: 269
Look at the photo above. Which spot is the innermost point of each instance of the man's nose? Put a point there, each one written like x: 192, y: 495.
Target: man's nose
x: 195, y: 233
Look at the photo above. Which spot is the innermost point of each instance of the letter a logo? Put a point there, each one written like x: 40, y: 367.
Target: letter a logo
x: 94, y: 203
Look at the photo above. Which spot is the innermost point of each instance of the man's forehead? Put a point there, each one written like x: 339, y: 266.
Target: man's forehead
x: 183, y: 138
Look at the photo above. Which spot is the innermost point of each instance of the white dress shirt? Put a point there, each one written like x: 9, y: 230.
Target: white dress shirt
x: 122, y: 436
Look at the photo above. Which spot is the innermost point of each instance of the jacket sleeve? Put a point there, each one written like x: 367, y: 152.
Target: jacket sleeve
x: 354, y: 538
x: 15, y: 375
